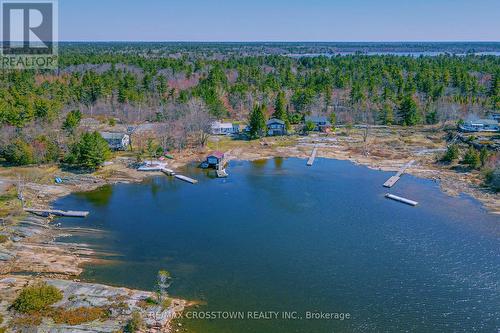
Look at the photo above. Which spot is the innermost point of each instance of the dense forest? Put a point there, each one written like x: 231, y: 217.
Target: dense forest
x: 137, y: 83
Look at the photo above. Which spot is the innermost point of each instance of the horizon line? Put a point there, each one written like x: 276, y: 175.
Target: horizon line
x: 278, y: 41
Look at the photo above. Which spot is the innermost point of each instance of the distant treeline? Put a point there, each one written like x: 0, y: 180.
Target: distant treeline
x: 358, y: 88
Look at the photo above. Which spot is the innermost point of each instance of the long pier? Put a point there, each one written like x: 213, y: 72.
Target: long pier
x: 311, y: 159
x: 186, y: 179
x: 394, y: 179
x: 57, y: 212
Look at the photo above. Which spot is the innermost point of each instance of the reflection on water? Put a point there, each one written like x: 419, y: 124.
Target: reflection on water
x: 279, y: 236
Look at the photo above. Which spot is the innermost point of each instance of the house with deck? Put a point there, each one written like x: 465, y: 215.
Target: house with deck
x: 219, y: 128
x: 275, y: 127
x: 321, y: 124
x: 116, y: 141
x: 480, y: 125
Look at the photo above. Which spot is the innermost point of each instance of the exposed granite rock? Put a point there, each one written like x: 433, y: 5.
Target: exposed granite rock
x: 121, y: 302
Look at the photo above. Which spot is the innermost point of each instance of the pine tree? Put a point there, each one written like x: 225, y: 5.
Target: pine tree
x: 257, y: 122
x: 280, y: 109
x: 408, y: 111
x: 386, y: 116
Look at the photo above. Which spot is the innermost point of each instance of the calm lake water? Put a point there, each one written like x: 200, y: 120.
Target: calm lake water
x: 279, y: 236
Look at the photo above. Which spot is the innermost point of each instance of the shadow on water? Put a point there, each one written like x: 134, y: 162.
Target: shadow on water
x: 280, y: 236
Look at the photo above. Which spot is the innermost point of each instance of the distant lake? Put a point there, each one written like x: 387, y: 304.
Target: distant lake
x: 279, y: 236
x: 413, y: 54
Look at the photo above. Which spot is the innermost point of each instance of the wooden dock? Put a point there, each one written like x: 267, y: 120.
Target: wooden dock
x: 311, y: 159
x: 186, y: 179
x: 221, y: 173
x: 394, y: 179
x: 401, y: 199
x: 57, y: 212
x: 168, y: 172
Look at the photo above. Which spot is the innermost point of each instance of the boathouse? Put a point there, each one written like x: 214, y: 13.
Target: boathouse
x: 215, y: 159
x: 276, y: 127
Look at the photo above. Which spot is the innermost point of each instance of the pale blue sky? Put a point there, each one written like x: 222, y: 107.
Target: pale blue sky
x: 280, y: 20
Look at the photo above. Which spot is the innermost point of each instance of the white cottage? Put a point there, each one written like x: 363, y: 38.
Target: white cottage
x: 116, y: 141
x: 219, y: 128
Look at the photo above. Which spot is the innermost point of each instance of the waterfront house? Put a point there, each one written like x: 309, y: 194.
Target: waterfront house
x: 321, y: 124
x: 219, y: 128
x: 214, y: 160
x: 276, y: 127
x: 481, y: 125
x: 116, y: 141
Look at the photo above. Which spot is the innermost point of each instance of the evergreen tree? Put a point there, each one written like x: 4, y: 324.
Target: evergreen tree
x: 90, y: 151
x: 472, y: 158
x: 386, y: 115
x: 333, y: 120
x: 408, y: 111
x: 72, y: 120
x: 257, y: 122
x: 280, y: 109
x: 451, y: 154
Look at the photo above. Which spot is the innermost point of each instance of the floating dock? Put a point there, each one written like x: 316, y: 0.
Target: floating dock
x: 311, y: 159
x: 186, y: 179
x: 57, y: 212
x: 394, y: 179
x: 400, y: 199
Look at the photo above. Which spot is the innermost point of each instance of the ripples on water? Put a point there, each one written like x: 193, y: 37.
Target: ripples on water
x: 278, y: 236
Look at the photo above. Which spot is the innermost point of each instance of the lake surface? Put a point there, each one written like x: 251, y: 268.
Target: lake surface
x: 280, y: 236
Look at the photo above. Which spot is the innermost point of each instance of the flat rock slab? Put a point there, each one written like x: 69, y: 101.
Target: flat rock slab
x: 80, y: 294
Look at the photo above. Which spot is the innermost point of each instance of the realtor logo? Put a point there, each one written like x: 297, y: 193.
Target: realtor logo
x: 29, y: 33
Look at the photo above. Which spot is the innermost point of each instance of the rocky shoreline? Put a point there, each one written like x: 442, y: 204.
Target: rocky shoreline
x: 31, y: 252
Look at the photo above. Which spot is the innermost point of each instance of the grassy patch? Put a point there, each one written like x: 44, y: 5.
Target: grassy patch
x: 77, y: 316
x: 33, y: 319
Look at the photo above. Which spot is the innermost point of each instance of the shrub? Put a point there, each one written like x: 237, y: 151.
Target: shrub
x: 19, y: 152
x: 36, y: 297
x: 483, y: 156
x: 472, y: 158
x: 45, y: 150
x: 451, y: 154
x: 3, y: 239
x: 135, y: 323
x: 493, y: 179
x: 309, y: 126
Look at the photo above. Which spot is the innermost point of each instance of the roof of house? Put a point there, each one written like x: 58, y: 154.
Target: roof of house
x: 113, y: 136
x: 275, y: 121
x: 217, y: 154
x: 217, y: 124
x: 317, y: 119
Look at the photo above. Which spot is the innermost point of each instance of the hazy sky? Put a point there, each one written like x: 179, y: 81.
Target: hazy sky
x: 280, y: 20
